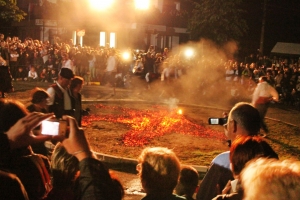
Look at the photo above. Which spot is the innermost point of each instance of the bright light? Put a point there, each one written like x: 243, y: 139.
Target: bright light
x: 142, y: 4
x: 101, y: 4
x: 112, y: 40
x: 189, y: 53
x: 126, y: 55
x: 102, y: 39
x: 179, y: 112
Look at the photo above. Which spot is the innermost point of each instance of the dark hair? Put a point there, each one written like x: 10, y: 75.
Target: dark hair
x: 247, y: 117
x: 10, y: 112
x: 246, y: 148
x: 77, y: 80
x: 188, y: 181
x: 38, y: 95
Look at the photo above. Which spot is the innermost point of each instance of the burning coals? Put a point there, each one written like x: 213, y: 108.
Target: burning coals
x: 144, y: 125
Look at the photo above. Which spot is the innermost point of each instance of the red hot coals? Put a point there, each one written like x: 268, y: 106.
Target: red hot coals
x: 145, y: 125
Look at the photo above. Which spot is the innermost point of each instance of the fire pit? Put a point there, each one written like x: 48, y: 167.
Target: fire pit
x: 124, y: 129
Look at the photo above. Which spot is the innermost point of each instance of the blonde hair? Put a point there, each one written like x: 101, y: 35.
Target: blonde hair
x: 271, y: 179
x: 159, y: 169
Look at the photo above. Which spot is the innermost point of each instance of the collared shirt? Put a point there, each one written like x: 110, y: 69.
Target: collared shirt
x: 264, y: 89
x: 67, y: 99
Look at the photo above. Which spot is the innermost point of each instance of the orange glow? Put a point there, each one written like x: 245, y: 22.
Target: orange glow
x: 179, y: 112
x: 145, y: 125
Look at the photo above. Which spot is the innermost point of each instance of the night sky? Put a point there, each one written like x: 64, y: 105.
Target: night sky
x: 282, y: 24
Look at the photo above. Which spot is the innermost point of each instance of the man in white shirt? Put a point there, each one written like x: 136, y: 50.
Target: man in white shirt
x: 67, y: 62
x: 111, y: 68
x: 59, y: 101
x: 263, y: 94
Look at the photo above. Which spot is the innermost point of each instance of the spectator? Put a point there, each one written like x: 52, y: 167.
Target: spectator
x: 13, y: 60
x: 271, y: 179
x: 159, y: 170
x: 188, y: 182
x: 74, y: 92
x: 94, y: 180
x: 242, y: 150
x: 39, y: 104
x: 20, y: 74
x: 5, y: 78
x: 32, y: 74
x: 44, y: 75
x: 53, y: 76
x: 11, y: 187
x: 65, y: 171
x: 38, y: 101
x: 243, y: 119
x: 67, y: 62
x: 31, y: 169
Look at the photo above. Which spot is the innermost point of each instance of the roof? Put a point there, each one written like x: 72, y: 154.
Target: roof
x: 286, y: 48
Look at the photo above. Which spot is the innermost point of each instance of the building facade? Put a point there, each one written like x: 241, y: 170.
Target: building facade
x: 121, y: 26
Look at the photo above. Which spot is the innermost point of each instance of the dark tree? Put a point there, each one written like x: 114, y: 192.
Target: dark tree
x: 10, y: 12
x: 218, y: 20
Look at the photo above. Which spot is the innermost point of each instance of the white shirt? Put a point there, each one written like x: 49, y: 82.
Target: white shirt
x: 111, y: 64
x: 32, y: 74
x: 68, y: 64
x: 67, y: 99
x: 222, y: 160
x: 264, y: 89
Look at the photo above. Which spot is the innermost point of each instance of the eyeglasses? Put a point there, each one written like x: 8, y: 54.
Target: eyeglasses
x: 226, y: 125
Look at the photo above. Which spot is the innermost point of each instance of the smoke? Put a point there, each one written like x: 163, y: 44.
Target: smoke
x: 203, y: 74
x: 172, y: 103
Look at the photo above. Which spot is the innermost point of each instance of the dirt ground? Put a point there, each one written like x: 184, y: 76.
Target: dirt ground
x: 191, y: 138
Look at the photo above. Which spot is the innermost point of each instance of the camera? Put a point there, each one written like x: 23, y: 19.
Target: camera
x: 54, y: 127
x: 217, y: 121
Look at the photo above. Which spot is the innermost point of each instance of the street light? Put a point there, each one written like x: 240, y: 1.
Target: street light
x: 189, y: 53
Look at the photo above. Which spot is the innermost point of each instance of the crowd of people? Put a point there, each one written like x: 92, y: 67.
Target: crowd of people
x: 71, y: 171
x: 34, y: 60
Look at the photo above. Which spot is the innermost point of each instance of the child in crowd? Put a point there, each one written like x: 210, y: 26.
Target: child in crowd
x: 188, y: 182
x: 32, y: 74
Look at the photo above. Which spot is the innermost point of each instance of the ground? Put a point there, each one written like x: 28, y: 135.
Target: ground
x: 105, y: 136
x: 121, y: 133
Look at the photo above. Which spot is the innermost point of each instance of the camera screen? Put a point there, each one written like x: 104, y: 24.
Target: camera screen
x: 50, y: 127
x: 214, y: 120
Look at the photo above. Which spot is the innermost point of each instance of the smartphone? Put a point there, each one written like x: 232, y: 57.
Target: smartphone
x: 54, y: 127
x: 217, y: 121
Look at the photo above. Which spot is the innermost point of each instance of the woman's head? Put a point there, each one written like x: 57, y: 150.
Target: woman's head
x: 64, y: 167
x: 39, y: 95
x: 76, y: 84
x: 245, y: 148
x: 10, y: 112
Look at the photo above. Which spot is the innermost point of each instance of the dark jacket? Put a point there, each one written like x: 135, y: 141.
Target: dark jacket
x: 76, y: 109
x: 216, y: 175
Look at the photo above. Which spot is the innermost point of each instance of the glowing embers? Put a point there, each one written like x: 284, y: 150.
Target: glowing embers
x: 144, y: 125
